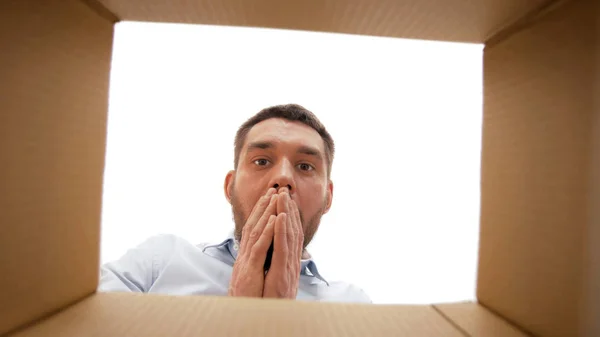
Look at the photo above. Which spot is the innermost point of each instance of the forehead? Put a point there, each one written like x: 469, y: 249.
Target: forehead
x: 285, y: 132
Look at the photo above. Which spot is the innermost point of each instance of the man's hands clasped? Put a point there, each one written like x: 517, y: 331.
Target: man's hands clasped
x: 248, y: 276
x: 275, y: 218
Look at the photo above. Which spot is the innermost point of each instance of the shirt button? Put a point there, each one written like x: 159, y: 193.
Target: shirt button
x: 236, y: 247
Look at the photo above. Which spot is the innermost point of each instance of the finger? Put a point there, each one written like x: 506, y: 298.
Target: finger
x: 300, y: 237
x: 280, y: 241
x: 282, y: 205
x: 295, y: 251
x: 258, y: 228
x: 258, y: 252
x: 298, y: 226
x: 263, y: 199
x: 256, y: 213
x: 296, y: 214
x: 291, y: 234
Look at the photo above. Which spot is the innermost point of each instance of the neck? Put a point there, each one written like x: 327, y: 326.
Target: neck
x: 305, y: 255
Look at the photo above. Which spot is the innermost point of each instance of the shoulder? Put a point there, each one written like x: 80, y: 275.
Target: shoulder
x: 162, y: 246
x: 161, y: 242
x: 340, y: 291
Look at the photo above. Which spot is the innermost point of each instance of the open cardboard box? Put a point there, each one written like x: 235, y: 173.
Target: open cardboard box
x: 539, y: 259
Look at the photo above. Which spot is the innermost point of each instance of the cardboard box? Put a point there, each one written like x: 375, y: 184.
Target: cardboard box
x: 539, y: 261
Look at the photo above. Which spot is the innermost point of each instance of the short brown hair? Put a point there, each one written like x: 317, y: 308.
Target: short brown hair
x: 291, y: 112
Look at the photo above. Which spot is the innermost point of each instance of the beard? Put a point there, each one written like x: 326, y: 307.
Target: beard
x: 239, y: 218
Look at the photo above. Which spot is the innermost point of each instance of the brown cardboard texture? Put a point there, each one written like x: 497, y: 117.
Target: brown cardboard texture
x: 540, y: 221
x: 538, y: 88
x: 131, y: 315
x: 55, y: 61
x: 590, y: 321
x: 475, y: 320
x: 467, y: 21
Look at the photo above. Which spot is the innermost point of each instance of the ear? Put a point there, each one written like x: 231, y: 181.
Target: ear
x: 228, y: 186
x: 329, y: 196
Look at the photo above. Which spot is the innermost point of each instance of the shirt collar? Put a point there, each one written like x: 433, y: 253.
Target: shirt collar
x: 231, y: 245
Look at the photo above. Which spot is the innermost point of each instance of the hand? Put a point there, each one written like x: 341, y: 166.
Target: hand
x: 248, y: 275
x: 283, y: 278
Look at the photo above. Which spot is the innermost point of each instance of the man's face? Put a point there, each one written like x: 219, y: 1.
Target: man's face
x: 281, y: 153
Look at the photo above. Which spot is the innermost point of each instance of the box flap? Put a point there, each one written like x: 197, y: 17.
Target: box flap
x: 475, y: 320
x: 450, y: 20
x: 54, y: 70
x: 538, y: 112
x: 126, y: 314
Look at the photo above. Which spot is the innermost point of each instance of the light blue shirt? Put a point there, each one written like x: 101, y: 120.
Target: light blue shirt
x: 167, y: 264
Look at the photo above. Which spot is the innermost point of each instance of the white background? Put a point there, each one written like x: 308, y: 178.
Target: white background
x: 405, y: 115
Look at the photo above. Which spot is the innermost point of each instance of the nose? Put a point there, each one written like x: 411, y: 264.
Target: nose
x: 289, y: 187
x: 283, y: 176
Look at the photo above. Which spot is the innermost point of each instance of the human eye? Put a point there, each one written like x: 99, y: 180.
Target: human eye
x: 261, y: 162
x: 306, y: 167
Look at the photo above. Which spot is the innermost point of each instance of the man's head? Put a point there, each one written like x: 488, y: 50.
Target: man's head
x: 282, y: 146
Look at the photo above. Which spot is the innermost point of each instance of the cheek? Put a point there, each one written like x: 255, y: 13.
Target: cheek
x: 249, y: 182
x: 247, y: 193
x: 311, y: 197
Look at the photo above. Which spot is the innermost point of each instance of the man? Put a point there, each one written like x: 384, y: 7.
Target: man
x: 279, y: 190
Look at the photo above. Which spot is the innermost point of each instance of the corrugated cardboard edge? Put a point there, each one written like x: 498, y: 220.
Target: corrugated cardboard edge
x: 154, y: 315
x: 523, y: 22
x: 465, y: 318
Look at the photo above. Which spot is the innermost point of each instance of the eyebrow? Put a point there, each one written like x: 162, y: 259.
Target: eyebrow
x: 265, y: 145
x: 260, y: 146
x: 310, y: 151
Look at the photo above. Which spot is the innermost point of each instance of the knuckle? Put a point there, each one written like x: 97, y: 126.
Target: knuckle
x: 255, y: 252
x: 254, y: 235
x: 245, y: 229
